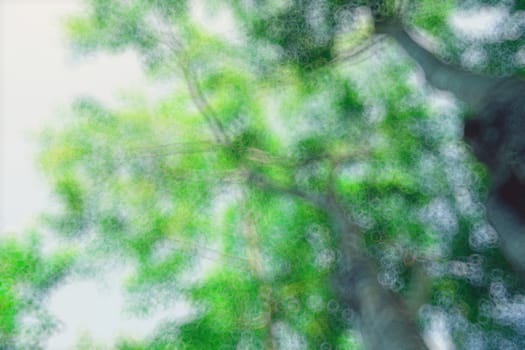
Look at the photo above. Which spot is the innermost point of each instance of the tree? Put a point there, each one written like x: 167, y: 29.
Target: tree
x: 331, y: 195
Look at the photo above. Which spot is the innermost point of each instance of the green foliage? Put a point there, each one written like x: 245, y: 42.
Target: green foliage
x: 25, y: 275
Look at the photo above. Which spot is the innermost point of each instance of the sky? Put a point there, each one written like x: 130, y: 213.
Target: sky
x: 39, y: 77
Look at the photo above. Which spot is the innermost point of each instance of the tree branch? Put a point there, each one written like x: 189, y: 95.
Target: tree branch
x: 262, y: 182
x: 203, y: 106
x: 197, y: 96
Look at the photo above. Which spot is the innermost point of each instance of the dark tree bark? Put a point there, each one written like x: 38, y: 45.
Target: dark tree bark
x: 496, y: 135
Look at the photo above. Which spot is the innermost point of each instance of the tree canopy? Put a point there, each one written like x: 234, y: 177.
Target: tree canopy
x: 299, y: 184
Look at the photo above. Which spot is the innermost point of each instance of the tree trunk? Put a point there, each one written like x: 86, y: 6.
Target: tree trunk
x: 383, y: 319
x: 496, y: 134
